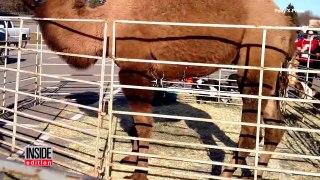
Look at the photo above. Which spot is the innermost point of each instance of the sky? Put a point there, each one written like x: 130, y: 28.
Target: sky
x: 301, y: 5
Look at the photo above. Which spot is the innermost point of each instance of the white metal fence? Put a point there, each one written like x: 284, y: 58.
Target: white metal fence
x: 94, y: 144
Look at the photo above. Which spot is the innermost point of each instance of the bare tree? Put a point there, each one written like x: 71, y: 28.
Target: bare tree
x: 304, y: 17
x: 12, y: 6
x: 292, y: 13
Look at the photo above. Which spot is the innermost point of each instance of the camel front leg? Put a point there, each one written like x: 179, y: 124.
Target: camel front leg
x: 139, y: 101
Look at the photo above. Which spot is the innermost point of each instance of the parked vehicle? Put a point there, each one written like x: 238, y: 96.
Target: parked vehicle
x: 8, y: 30
x: 212, y: 86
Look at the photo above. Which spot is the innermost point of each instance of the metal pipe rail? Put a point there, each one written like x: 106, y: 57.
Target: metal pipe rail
x: 51, y: 76
x: 21, y: 80
x: 216, y: 121
x: 215, y: 147
x: 211, y: 85
x: 208, y: 93
x: 58, y: 64
x: 55, y: 53
x: 169, y: 173
x: 54, y: 19
x: 171, y: 62
x: 45, y: 133
x: 51, y: 122
x: 214, y: 25
x: 33, y: 65
x: 78, y: 75
x: 217, y: 163
x: 50, y: 99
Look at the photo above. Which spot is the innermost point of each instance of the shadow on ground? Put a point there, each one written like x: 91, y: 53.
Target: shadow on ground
x: 1, y: 135
x: 11, y: 61
x: 303, y: 142
x: 206, y: 131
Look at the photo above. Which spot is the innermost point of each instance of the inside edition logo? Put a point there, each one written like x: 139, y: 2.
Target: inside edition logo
x: 38, y: 156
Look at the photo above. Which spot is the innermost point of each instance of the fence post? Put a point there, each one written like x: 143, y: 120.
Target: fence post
x: 6, y: 53
x: 101, y: 112
x: 37, y: 81
x: 308, y: 61
x: 16, y: 96
x: 39, y: 74
x: 256, y: 156
x: 110, y: 104
x: 219, y: 90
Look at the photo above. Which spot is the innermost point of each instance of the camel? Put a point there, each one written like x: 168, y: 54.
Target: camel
x: 187, y: 44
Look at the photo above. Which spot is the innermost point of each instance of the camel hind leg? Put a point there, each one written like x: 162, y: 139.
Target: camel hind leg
x: 270, y: 115
x: 247, y: 137
x: 139, y: 101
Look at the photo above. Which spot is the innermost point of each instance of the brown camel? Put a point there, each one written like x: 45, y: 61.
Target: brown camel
x: 188, y: 44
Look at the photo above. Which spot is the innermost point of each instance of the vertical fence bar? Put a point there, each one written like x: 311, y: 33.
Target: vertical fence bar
x: 101, y: 113
x: 39, y: 81
x: 15, y: 116
x: 308, y: 61
x: 219, y: 90
x: 6, y: 52
x: 110, y: 104
x: 37, y: 67
x: 263, y: 50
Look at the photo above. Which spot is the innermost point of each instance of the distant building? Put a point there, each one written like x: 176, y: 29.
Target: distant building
x: 314, y: 23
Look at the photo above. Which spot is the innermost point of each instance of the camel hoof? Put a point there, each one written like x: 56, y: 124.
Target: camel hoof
x: 246, y: 173
x: 130, y: 160
x: 137, y: 176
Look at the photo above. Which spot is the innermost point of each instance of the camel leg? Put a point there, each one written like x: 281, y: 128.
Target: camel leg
x: 139, y: 101
x: 272, y: 116
x: 131, y: 159
x: 247, y: 138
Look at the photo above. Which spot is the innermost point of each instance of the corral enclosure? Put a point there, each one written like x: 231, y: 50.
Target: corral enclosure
x: 85, y: 118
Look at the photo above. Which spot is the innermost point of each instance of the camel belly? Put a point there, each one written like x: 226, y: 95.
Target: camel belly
x: 186, y: 50
x: 196, y: 51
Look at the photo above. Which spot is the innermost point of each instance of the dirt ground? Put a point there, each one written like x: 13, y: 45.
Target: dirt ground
x: 198, y: 133
x: 181, y: 130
